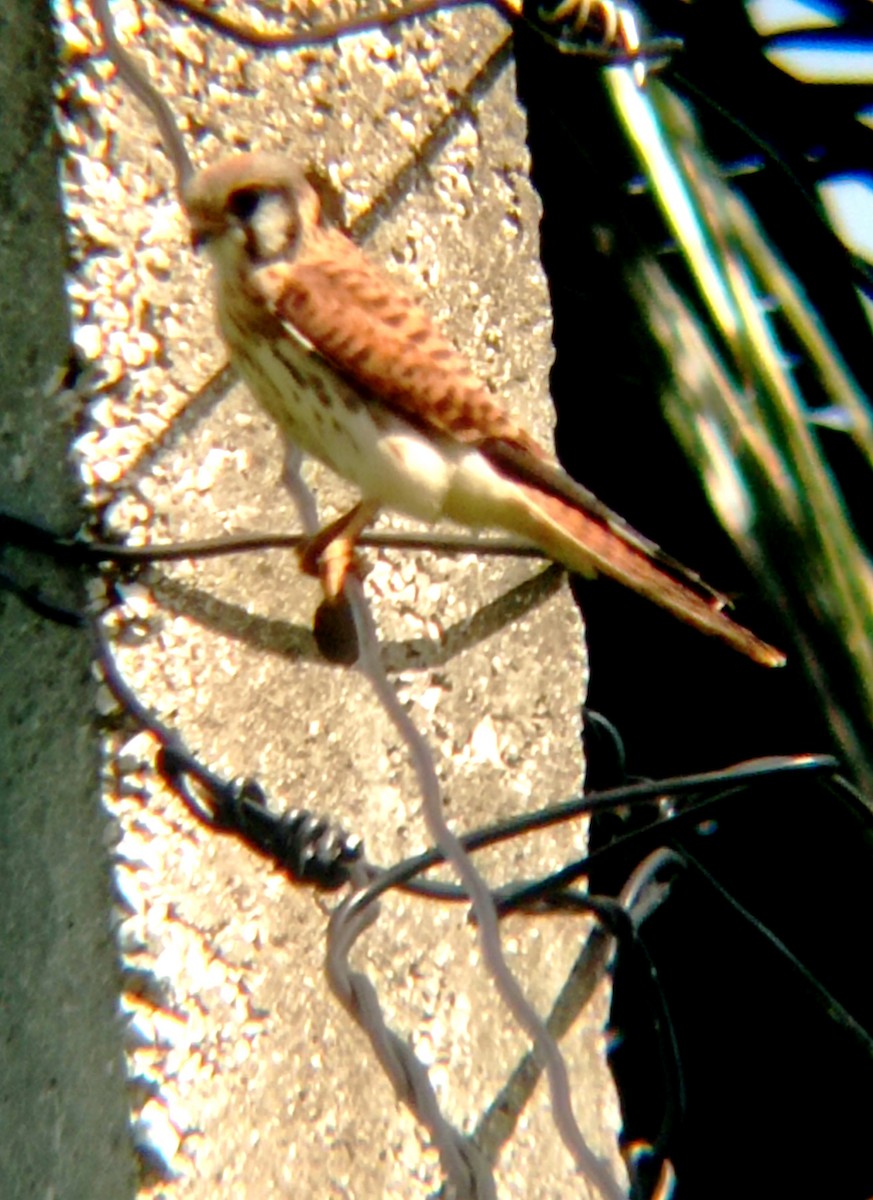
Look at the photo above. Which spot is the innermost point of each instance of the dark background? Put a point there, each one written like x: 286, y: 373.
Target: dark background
x: 776, y: 1089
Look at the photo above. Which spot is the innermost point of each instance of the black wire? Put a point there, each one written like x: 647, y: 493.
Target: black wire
x: 825, y: 999
x: 30, y: 535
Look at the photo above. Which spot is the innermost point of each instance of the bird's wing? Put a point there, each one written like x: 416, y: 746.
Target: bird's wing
x: 387, y: 347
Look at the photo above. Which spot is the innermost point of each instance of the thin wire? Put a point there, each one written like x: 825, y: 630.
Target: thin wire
x: 21, y: 531
x: 259, y: 39
x: 832, y: 1006
x: 641, y: 899
x: 657, y: 51
x: 129, y: 72
x: 462, y: 1163
x: 595, y: 1170
x: 619, y: 920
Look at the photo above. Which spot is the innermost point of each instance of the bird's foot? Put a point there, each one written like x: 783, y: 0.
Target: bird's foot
x: 330, y: 554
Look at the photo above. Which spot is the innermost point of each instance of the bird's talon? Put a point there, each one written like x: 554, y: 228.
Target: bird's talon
x: 309, y: 556
x: 332, y: 564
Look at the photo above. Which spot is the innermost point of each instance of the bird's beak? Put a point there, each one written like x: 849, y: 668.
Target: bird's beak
x: 203, y: 230
x: 207, y: 221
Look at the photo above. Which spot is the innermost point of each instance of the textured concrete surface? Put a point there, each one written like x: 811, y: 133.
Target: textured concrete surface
x: 251, y: 1081
x: 63, y: 1102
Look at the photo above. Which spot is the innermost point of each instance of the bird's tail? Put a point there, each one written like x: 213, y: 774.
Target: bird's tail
x: 589, y: 544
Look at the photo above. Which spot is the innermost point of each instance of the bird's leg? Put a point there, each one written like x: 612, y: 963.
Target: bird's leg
x: 330, y: 553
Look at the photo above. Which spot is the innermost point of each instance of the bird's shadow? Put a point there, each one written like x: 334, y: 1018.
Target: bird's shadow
x: 297, y: 643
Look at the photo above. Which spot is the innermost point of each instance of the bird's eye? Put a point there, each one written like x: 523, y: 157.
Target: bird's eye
x: 243, y: 203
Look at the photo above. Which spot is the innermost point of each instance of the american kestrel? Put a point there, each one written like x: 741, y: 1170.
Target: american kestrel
x: 356, y: 374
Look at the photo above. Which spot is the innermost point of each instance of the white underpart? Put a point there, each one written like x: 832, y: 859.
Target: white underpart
x: 387, y: 460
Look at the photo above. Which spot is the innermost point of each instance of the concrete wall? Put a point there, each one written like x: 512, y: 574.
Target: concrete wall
x: 63, y: 1109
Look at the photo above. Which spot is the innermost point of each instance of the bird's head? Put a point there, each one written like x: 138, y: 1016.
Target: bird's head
x: 250, y: 210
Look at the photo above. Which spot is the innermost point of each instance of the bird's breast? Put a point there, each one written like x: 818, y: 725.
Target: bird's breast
x: 384, y: 456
